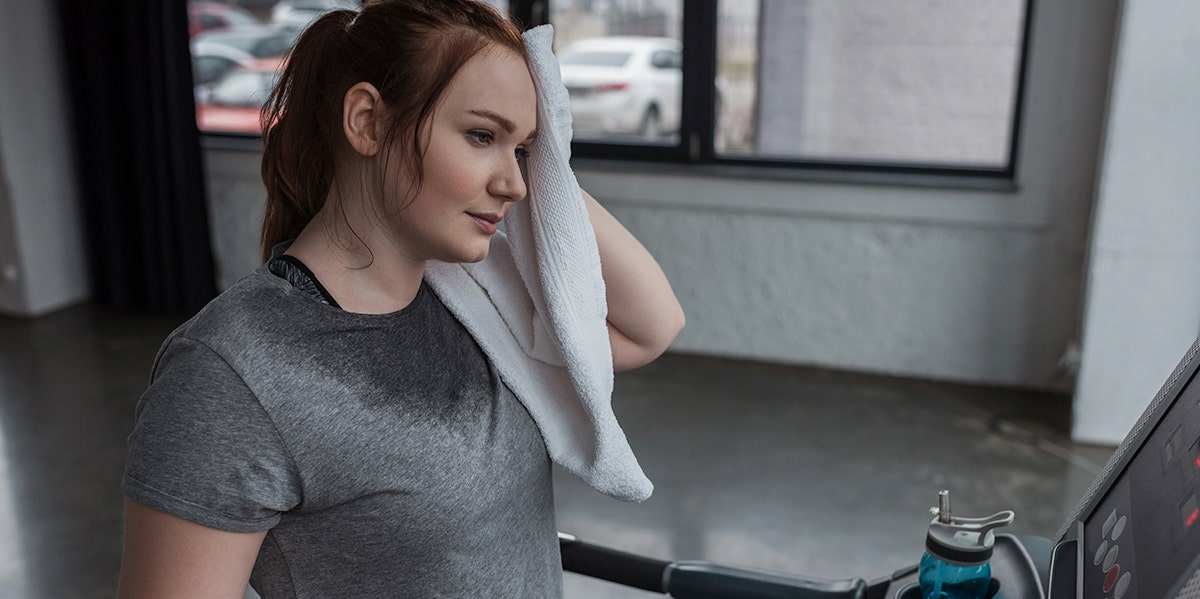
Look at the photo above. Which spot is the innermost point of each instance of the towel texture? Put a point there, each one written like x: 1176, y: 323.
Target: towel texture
x: 536, y: 304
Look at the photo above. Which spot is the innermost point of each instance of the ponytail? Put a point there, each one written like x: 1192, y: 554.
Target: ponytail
x: 299, y: 135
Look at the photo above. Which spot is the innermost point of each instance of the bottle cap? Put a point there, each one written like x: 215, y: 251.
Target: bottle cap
x: 963, y: 541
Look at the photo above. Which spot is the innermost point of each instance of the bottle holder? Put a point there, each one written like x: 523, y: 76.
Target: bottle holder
x: 1012, y: 566
x: 913, y: 591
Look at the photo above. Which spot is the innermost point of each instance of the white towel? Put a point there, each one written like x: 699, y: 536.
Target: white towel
x: 536, y: 304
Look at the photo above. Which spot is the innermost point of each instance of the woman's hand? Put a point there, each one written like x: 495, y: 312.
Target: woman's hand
x: 167, y: 556
x: 643, y: 315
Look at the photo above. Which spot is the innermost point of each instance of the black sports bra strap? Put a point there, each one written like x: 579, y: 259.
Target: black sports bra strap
x: 292, y: 270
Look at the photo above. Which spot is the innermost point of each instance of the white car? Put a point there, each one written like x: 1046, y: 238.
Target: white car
x: 623, y: 85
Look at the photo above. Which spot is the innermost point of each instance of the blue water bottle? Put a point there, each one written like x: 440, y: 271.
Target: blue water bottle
x: 957, y: 550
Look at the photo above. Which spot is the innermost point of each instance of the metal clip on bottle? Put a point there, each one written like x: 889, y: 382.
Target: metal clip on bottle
x: 957, y: 550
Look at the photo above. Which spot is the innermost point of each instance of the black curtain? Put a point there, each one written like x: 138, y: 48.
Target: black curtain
x: 142, y: 184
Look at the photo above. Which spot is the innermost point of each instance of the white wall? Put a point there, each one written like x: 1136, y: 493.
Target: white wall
x: 1143, y: 303
x: 923, y: 281
x: 42, y: 265
x: 967, y: 285
x: 12, y: 294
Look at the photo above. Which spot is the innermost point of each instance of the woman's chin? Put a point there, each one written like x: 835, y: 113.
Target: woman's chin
x: 471, y: 255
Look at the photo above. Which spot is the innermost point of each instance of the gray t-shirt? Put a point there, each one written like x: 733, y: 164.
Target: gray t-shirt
x: 382, y: 453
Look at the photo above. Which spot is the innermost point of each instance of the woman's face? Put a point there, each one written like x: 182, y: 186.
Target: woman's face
x: 472, y: 166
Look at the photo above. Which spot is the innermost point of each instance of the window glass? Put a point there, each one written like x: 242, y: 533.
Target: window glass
x: 737, y: 64
x: 235, y: 67
x: 595, y: 58
x: 299, y: 13
x: 209, y: 16
x: 210, y: 68
x: 606, y: 49
x: 234, y: 102
x: 238, y: 51
x: 244, y: 88
x: 885, y: 81
x: 500, y: 5
x: 237, y: 18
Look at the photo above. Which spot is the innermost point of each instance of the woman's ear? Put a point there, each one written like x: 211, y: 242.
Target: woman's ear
x: 362, y: 118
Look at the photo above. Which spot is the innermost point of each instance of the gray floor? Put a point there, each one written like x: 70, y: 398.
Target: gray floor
x: 785, y: 468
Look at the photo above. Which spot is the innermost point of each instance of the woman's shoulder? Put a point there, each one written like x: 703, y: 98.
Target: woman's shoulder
x: 242, y: 313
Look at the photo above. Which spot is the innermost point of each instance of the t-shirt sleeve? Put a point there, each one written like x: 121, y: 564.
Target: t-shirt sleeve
x: 204, y: 449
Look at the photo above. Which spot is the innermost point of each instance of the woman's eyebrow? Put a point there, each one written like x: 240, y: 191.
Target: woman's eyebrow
x: 506, y: 124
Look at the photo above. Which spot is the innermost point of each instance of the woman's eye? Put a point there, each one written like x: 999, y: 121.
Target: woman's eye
x: 522, y: 154
x: 482, y: 138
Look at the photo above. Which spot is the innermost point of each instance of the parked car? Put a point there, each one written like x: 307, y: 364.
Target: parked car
x: 211, y: 16
x: 233, y: 104
x: 299, y: 13
x: 208, y: 68
x: 624, y: 85
x: 216, y: 53
x: 247, y: 42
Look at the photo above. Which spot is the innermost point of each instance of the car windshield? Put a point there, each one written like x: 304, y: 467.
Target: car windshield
x: 243, y: 88
x: 596, y: 58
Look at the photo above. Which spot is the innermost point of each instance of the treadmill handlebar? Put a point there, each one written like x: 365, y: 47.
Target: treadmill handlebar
x: 698, y: 579
x: 614, y: 566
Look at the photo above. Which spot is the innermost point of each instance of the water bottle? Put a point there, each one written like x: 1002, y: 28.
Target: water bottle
x: 957, y: 550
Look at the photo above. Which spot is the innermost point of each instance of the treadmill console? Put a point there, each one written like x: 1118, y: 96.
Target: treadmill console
x: 1143, y: 537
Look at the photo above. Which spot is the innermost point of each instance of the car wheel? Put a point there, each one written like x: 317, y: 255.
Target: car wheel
x: 651, y: 123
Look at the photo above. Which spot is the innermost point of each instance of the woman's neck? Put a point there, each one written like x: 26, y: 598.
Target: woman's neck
x: 358, y: 262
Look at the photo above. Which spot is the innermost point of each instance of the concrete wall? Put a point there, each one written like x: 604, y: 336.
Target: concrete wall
x: 1143, y: 308
x: 42, y: 265
x: 236, y: 204
x: 917, y: 280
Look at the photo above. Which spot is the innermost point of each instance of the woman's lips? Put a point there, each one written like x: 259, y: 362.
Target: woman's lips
x: 486, y: 221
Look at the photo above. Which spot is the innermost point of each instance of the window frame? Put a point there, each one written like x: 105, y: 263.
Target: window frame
x: 695, y: 145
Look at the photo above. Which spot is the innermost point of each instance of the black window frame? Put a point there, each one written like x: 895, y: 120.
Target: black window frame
x: 695, y: 144
x: 694, y: 150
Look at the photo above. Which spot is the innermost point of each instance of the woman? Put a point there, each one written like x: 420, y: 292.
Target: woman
x: 326, y: 427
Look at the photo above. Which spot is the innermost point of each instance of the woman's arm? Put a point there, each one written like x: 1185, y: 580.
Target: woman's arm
x: 643, y: 315
x: 167, y: 556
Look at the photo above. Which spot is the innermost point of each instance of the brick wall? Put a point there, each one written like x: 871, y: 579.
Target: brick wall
x: 898, y: 80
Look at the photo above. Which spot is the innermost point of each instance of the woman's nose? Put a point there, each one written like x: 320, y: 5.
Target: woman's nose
x: 509, y: 181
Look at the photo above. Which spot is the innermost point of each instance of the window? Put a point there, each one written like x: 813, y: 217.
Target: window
x: 621, y: 63
x: 850, y: 85
x: 881, y: 81
x: 875, y: 85
x: 237, y: 54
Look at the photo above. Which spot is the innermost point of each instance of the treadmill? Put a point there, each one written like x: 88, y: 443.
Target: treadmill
x: 1135, y: 533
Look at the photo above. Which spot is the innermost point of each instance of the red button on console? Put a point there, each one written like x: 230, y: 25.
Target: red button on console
x: 1111, y: 579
